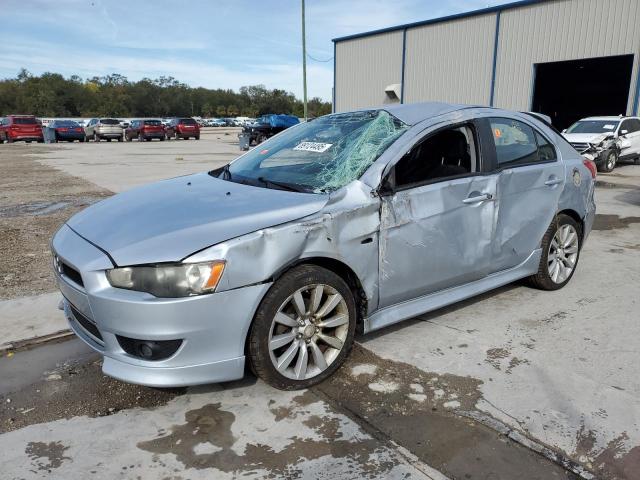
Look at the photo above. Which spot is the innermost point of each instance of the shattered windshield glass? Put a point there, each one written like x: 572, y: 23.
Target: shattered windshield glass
x: 321, y: 155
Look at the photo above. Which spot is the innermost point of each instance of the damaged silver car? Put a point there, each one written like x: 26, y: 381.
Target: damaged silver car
x: 344, y: 224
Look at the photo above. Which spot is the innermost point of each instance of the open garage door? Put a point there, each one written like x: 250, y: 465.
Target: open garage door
x: 570, y: 90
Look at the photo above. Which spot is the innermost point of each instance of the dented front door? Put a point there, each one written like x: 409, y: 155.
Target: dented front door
x: 435, y: 237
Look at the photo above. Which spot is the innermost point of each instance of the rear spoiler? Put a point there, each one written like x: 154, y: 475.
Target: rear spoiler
x: 540, y: 116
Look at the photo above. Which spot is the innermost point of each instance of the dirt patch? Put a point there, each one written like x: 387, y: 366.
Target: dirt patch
x: 74, y: 391
x: 34, y: 201
x: 422, y: 416
x: 613, y: 222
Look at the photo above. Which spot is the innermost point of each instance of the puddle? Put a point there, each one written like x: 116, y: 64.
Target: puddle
x: 206, y: 439
x: 613, y: 222
x: 44, y: 208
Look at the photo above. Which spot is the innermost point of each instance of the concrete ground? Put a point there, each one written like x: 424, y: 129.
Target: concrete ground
x: 457, y: 391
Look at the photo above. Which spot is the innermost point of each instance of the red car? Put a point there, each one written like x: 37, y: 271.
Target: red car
x: 20, y: 127
x: 183, y: 128
x: 144, y: 130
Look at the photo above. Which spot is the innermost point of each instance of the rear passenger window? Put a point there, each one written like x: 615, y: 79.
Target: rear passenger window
x: 515, y: 142
x: 519, y: 144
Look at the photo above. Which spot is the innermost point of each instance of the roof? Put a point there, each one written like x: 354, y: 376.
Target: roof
x: 412, y: 113
x: 611, y: 118
x: 472, y: 13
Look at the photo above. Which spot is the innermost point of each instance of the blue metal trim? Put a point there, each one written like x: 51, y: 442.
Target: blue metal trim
x: 334, y: 79
x: 495, y: 59
x: 637, y: 92
x: 404, y: 56
x: 473, y: 13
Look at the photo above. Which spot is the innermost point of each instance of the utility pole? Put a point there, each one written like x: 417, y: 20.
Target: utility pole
x: 304, y: 65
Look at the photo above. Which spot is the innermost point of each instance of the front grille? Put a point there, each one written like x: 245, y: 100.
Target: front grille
x: 85, y: 323
x: 580, y: 147
x: 72, y: 273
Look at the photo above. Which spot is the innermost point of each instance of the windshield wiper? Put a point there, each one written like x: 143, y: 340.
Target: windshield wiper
x: 283, y: 186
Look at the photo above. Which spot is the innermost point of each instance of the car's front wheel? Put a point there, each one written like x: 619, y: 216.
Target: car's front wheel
x: 610, y: 161
x: 560, y: 254
x: 303, y: 329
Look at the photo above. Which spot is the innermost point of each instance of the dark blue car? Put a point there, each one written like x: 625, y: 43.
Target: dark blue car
x: 63, y: 130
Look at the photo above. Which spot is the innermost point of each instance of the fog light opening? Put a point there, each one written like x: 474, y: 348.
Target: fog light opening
x: 145, y: 350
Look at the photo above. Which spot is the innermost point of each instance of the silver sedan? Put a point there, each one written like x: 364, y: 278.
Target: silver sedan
x: 347, y: 223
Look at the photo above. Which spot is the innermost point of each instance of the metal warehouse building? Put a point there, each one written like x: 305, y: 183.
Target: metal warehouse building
x: 565, y: 58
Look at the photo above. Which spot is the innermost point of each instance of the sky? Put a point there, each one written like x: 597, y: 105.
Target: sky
x: 212, y: 44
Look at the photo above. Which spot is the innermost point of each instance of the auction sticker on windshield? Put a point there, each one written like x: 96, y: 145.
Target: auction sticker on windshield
x: 313, y: 147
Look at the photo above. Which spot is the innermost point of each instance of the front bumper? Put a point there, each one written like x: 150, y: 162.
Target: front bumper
x: 213, y: 328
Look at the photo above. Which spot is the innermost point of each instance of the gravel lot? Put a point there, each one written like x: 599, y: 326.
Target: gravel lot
x: 459, y: 390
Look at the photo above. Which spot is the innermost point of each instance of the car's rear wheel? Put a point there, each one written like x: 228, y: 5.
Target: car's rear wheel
x: 560, y: 254
x: 96, y: 138
x: 303, y: 329
x: 120, y: 138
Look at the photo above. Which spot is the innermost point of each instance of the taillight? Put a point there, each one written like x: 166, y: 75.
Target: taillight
x: 78, y: 130
x: 62, y: 129
x: 591, y: 165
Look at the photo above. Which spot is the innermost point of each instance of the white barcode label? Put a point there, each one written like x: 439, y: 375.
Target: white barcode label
x: 313, y: 147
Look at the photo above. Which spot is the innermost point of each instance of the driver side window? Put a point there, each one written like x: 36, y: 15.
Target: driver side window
x: 446, y: 154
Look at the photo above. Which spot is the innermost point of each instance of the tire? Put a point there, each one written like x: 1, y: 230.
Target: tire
x: 121, y: 138
x: 140, y: 137
x: 109, y: 139
x: 197, y: 138
x: 306, y: 357
x: 55, y: 139
x: 162, y: 139
x: 564, y: 233
x: 127, y: 138
x: 96, y: 138
x: 82, y: 140
x: 636, y: 161
x: 610, y: 161
x: 9, y: 140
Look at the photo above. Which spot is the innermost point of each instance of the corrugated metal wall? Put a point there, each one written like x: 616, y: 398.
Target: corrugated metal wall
x: 453, y: 60
x: 561, y: 30
x: 364, y: 67
x: 450, y: 61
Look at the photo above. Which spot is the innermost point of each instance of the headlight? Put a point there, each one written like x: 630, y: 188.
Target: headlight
x: 169, y: 280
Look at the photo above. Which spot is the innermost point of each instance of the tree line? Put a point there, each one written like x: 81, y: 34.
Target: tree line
x: 53, y: 95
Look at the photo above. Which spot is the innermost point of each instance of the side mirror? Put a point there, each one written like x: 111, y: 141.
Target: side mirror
x: 623, y: 132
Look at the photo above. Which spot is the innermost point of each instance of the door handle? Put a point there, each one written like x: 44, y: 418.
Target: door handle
x: 477, y: 199
x: 553, y: 181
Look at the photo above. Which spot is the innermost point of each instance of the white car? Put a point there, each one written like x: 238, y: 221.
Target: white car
x: 606, y: 139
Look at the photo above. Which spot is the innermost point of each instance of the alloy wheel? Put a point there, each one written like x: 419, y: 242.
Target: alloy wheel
x: 308, y: 331
x: 611, y: 161
x: 563, y: 253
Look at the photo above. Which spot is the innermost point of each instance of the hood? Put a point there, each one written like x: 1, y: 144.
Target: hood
x: 584, y: 137
x: 169, y: 220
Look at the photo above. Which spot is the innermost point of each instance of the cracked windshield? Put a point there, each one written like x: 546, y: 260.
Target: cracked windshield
x: 321, y: 155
